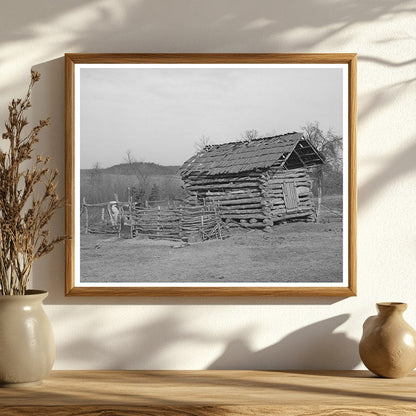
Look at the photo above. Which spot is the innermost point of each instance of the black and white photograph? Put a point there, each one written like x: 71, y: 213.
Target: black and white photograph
x: 211, y: 175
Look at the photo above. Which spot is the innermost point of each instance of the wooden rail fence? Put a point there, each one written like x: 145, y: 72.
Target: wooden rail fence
x: 180, y: 223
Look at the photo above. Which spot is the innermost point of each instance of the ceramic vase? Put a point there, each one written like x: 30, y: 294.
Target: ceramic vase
x: 388, y: 345
x: 27, y: 347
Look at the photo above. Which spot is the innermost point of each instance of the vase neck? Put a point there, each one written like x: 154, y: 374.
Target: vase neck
x: 391, y: 308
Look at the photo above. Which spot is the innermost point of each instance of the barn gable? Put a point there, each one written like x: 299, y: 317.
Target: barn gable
x: 288, y: 151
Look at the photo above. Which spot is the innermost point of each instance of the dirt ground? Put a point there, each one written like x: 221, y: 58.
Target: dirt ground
x: 292, y: 252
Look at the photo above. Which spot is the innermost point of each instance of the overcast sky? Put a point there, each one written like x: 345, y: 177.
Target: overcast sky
x: 159, y: 114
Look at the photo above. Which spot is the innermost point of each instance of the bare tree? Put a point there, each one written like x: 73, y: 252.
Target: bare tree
x: 249, y: 135
x: 136, y: 169
x: 96, y: 175
x: 202, y: 143
x: 329, y: 176
x: 329, y: 144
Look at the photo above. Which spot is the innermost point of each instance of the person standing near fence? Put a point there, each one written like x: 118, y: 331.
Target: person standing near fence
x: 114, y: 212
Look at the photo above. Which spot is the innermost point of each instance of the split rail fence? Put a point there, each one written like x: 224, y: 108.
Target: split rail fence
x: 180, y: 223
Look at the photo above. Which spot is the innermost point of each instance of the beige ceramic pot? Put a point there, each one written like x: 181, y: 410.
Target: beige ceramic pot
x: 388, y: 344
x: 27, y: 347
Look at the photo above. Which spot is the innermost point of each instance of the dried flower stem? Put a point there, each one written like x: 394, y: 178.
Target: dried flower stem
x: 23, y: 217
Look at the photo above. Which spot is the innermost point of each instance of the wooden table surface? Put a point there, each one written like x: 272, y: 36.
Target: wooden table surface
x: 202, y: 393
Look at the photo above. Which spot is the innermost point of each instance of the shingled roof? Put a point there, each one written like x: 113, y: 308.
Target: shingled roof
x: 288, y: 150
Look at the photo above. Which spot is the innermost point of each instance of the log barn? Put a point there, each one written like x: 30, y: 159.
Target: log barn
x: 255, y: 183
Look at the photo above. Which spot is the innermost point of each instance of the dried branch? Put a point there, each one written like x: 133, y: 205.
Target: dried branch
x: 24, y: 217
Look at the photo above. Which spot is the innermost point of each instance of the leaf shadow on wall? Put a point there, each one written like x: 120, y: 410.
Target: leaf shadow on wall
x: 313, y: 347
x: 49, y: 271
x: 245, y: 28
x: 392, y: 170
x: 136, y: 347
x: 403, y: 162
x: 189, y: 26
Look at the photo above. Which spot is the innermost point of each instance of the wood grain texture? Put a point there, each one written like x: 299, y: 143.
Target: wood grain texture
x: 203, y: 393
x: 210, y: 411
x: 69, y: 175
x: 89, y: 58
x: 260, y: 58
x: 352, y: 179
x: 212, y: 291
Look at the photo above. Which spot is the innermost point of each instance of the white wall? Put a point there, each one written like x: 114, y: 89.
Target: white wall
x: 198, y: 333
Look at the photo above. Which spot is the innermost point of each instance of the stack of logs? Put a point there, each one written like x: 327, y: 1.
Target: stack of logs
x: 255, y: 199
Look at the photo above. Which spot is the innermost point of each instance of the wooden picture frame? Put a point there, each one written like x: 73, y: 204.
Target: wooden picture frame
x: 300, y: 153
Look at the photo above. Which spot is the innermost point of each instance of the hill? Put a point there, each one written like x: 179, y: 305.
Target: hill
x: 146, y: 168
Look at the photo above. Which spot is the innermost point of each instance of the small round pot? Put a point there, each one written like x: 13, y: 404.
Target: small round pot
x: 27, y: 347
x: 388, y: 345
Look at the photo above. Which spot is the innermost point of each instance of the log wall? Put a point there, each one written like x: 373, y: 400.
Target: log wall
x: 255, y: 199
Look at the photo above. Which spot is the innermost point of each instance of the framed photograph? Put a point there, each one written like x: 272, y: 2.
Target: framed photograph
x: 211, y: 174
